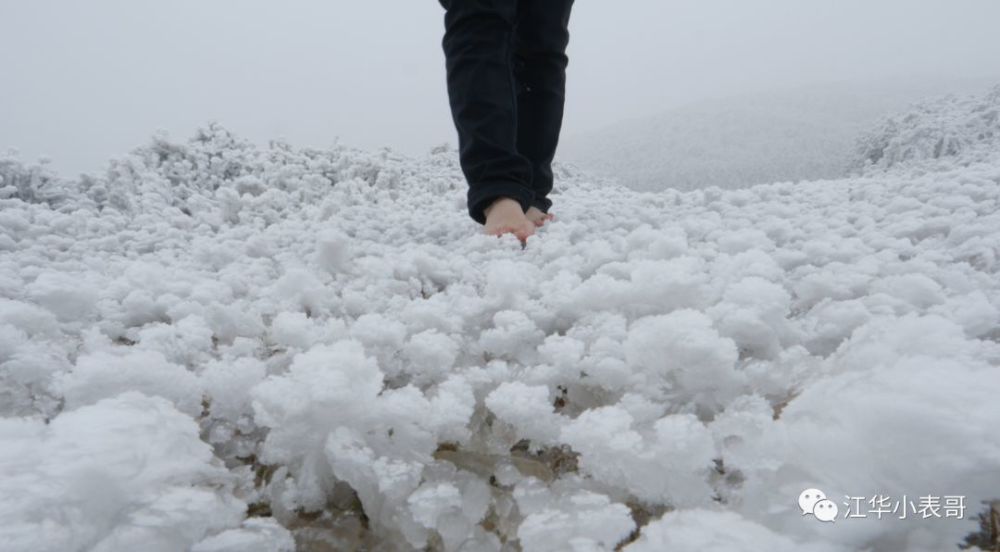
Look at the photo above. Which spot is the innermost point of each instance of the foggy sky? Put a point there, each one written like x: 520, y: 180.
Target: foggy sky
x: 85, y: 80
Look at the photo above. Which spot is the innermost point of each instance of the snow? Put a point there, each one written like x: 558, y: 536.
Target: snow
x: 106, y: 374
x: 663, y: 462
x: 125, y: 473
x: 221, y: 347
x: 573, y: 521
x: 254, y: 535
x: 699, y: 530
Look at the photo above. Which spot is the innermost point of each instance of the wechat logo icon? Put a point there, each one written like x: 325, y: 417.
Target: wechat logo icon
x: 814, y: 502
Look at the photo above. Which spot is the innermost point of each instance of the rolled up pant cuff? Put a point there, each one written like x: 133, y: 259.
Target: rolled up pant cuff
x: 543, y: 204
x: 483, y: 194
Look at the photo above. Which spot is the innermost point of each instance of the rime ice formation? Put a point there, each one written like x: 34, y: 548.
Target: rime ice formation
x: 221, y: 347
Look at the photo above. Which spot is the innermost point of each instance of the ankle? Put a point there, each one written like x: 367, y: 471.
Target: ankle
x: 499, y: 201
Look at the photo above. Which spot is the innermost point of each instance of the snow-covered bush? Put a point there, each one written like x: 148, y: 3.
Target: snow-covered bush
x: 967, y: 127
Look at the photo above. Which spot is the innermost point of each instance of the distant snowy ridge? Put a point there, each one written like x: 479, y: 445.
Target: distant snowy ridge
x: 220, y: 347
x: 809, y: 133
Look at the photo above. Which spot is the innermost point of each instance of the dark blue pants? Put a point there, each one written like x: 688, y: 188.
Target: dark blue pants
x: 506, y: 63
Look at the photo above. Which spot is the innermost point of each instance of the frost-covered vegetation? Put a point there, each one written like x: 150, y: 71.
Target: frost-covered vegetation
x: 954, y: 127
x: 219, y: 347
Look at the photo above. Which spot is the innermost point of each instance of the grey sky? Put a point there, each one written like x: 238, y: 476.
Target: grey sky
x: 84, y: 80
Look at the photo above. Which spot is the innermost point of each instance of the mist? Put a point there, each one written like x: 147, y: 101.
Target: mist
x: 85, y: 81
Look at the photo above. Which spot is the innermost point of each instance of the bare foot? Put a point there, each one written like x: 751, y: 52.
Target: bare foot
x: 505, y: 216
x: 538, y: 216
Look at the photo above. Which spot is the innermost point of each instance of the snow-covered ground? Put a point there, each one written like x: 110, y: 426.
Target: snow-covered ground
x: 215, y: 347
x: 805, y: 133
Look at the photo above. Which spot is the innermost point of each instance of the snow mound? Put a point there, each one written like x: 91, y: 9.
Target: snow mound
x: 126, y: 473
x: 219, y: 347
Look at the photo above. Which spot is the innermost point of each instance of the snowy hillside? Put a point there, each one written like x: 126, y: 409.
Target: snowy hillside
x: 800, y: 134
x: 215, y: 347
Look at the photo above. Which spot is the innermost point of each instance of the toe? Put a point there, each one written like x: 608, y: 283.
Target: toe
x: 523, y: 233
x: 506, y: 229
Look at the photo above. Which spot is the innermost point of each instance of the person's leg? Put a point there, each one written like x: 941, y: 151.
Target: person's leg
x: 482, y: 95
x: 541, y: 35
